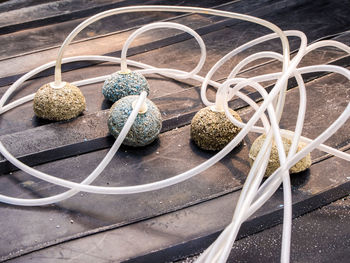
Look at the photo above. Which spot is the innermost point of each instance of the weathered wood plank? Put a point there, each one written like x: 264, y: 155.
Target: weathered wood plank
x: 130, y: 167
x: 195, y: 217
x: 61, y: 11
x: 6, y: 6
x: 96, y: 99
x: 311, y: 28
x: 90, y: 132
x: 311, y: 189
x: 45, y: 36
x: 23, y: 15
x: 161, y: 160
x: 188, y: 231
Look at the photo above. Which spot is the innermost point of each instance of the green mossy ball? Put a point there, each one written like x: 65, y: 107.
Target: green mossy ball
x: 58, y: 104
x: 274, y: 162
x: 146, y: 126
x: 212, y: 130
x: 120, y: 85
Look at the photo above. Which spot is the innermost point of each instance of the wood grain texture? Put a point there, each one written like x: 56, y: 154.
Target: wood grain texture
x: 198, y: 208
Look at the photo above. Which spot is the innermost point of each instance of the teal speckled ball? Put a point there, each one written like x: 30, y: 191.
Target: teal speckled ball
x: 146, y: 126
x: 122, y: 84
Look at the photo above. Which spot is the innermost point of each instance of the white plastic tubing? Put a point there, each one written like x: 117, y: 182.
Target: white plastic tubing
x: 253, y: 196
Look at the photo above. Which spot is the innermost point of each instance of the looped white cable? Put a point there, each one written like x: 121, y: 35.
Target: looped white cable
x: 167, y: 25
x: 253, y: 196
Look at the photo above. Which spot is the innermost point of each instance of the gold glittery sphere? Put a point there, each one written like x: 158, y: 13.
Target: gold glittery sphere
x: 274, y: 162
x: 59, y: 104
x: 212, y: 130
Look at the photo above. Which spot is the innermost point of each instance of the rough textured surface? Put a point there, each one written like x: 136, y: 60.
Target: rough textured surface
x: 304, y: 15
x: 274, y: 162
x: 319, y: 236
x: 119, y: 85
x: 212, y: 130
x: 146, y: 126
x: 58, y: 104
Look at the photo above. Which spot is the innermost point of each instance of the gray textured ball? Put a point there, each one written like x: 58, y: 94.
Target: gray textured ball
x: 274, y: 162
x: 146, y: 126
x: 119, y: 85
x: 212, y: 130
x: 58, y: 104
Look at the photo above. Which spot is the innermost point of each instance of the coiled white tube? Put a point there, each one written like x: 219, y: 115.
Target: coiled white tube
x: 167, y: 25
x: 151, y: 8
x: 98, y: 170
x: 252, y: 196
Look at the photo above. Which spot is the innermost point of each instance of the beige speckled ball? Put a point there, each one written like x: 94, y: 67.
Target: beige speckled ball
x: 274, y: 162
x: 59, y: 104
x: 212, y: 130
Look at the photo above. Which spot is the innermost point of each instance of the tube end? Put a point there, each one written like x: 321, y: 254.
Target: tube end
x: 55, y: 86
x: 143, y: 109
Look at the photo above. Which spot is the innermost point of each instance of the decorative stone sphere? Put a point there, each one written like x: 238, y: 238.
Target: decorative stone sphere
x: 58, y: 104
x: 274, y: 162
x: 146, y: 126
x: 212, y: 130
x: 121, y: 84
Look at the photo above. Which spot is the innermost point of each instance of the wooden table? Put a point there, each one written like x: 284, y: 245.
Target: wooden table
x: 184, y: 219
